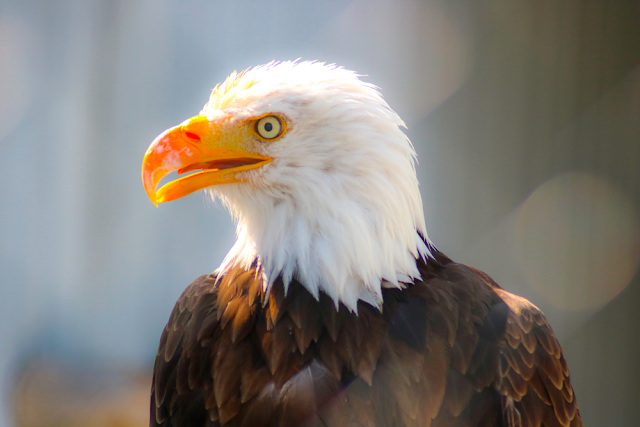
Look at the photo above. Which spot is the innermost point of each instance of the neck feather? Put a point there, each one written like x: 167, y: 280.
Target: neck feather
x: 348, y: 250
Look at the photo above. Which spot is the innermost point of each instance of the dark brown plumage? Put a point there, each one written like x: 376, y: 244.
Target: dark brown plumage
x: 453, y: 349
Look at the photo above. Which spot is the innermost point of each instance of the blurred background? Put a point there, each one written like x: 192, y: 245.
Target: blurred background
x: 525, y: 116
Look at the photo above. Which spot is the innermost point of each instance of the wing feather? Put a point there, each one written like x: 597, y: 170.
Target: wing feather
x: 453, y: 349
x: 534, y: 378
x: 182, y: 368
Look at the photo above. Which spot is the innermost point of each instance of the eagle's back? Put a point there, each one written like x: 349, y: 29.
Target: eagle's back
x: 453, y: 349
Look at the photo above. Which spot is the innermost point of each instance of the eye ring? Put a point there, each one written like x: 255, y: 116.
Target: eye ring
x: 269, y: 128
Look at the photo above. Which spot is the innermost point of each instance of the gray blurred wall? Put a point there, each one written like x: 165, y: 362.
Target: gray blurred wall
x: 525, y: 116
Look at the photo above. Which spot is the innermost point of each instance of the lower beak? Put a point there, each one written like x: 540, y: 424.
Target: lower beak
x: 217, y: 151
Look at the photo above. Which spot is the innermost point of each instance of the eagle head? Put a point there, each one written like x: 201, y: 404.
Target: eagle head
x: 315, y: 169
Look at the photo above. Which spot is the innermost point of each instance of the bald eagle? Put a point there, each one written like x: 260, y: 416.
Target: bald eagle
x: 333, y: 308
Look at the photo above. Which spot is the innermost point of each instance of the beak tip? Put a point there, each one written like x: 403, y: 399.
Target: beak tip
x: 153, y: 198
x: 149, y: 185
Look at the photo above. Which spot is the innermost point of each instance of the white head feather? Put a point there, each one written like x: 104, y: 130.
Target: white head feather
x: 339, y: 208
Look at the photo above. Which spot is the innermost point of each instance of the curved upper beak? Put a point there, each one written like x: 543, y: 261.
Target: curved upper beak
x: 218, y: 151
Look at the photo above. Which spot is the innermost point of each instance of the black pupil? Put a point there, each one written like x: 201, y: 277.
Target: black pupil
x: 268, y: 127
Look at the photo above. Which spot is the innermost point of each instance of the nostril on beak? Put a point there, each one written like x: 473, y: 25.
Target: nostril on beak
x: 192, y: 135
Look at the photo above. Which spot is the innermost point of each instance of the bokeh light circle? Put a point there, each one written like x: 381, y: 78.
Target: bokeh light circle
x: 578, y: 241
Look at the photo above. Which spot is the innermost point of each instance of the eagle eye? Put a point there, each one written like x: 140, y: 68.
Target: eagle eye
x: 269, y: 127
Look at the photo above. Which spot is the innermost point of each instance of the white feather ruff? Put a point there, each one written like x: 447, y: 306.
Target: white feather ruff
x: 339, y: 208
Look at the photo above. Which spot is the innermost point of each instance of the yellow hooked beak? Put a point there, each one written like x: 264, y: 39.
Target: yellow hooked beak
x: 218, y: 150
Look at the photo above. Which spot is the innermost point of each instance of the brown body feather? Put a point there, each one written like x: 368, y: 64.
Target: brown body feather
x: 453, y: 349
